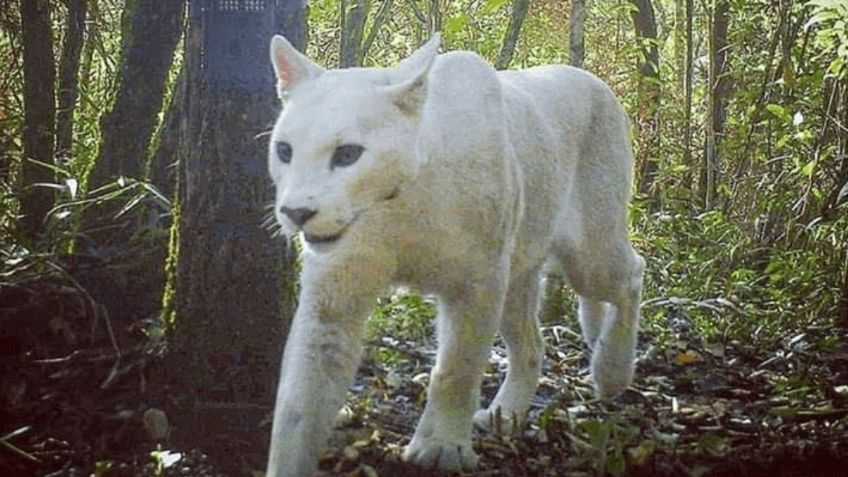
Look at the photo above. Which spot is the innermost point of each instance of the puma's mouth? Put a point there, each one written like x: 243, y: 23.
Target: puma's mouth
x: 322, y: 239
x: 314, y: 239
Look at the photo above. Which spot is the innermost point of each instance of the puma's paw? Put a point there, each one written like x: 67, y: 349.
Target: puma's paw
x: 441, y: 454
x: 494, y: 421
x: 610, y: 381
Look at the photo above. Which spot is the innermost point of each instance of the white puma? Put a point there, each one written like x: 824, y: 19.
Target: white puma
x: 460, y: 181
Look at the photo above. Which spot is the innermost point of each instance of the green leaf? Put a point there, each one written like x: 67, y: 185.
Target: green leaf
x: 616, y: 465
x: 779, y: 111
x: 641, y: 453
x: 456, y: 24
x: 599, y: 432
x: 101, y: 467
x: 807, y: 170
x: 491, y: 6
x: 713, y: 444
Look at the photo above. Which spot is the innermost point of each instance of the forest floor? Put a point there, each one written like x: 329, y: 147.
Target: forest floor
x: 73, y: 405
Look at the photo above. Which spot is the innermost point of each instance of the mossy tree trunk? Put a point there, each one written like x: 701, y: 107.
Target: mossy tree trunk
x: 68, y: 71
x: 163, y: 164
x: 234, y: 287
x: 150, y: 32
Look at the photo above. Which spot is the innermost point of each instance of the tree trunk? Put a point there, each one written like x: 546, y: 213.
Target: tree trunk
x: 68, y: 73
x: 149, y: 36
x: 39, y: 112
x: 163, y: 164
x: 352, y: 17
x: 130, y: 284
x: 516, y: 20
x: 843, y: 304
x: 680, y: 43
x: 576, y: 47
x: 719, y: 91
x: 234, y: 286
x: 687, y: 98
x: 649, y: 93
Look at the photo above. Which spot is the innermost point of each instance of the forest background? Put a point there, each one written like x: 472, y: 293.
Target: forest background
x: 740, y: 126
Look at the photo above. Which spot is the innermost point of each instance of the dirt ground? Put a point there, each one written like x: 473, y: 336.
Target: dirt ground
x: 74, y: 387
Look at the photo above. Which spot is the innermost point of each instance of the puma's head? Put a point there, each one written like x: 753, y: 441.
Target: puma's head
x: 345, y: 140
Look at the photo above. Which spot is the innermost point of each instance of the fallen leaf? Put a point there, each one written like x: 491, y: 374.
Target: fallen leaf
x: 714, y: 444
x: 641, y: 453
x: 688, y: 357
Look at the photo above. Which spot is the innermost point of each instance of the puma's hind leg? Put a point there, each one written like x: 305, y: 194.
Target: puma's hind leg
x: 614, y: 356
x: 610, y: 289
x: 591, y: 314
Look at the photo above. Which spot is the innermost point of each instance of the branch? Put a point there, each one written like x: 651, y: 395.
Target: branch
x: 379, y: 20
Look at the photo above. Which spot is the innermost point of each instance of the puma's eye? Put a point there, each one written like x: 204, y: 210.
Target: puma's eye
x: 284, y: 152
x: 345, y: 155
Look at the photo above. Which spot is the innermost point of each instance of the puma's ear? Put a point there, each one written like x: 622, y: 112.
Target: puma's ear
x: 409, y: 78
x: 290, y: 66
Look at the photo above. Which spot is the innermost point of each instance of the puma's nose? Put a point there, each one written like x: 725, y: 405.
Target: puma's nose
x: 299, y: 216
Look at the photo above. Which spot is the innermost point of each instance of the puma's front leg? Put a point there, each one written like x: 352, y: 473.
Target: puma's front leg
x: 466, y: 328
x: 320, y: 360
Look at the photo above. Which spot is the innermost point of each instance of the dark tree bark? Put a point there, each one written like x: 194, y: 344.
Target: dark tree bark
x: 39, y: 112
x: 837, y: 106
x: 513, y: 31
x: 843, y: 304
x: 718, y: 95
x: 234, y: 289
x: 649, y: 92
x: 576, y: 46
x: 352, y: 16
x: 150, y: 32
x: 69, y: 66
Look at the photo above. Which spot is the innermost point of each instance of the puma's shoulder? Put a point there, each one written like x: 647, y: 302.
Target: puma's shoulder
x: 461, y: 79
x: 464, y: 115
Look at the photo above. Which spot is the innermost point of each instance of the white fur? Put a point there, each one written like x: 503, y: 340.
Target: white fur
x: 470, y: 181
